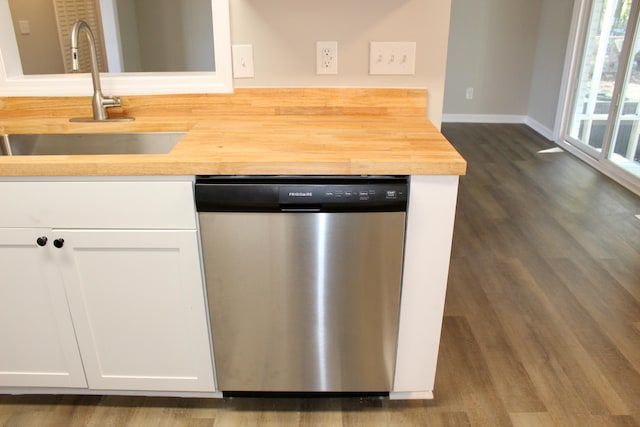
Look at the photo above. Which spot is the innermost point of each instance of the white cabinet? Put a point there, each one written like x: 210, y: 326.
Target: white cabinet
x: 38, y: 345
x: 137, y: 302
x: 114, y: 296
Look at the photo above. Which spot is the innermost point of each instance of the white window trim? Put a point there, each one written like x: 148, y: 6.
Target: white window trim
x: 573, y: 47
x: 14, y: 83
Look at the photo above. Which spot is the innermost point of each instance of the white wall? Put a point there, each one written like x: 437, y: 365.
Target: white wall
x: 129, y: 42
x: 185, y: 41
x: 39, y: 51
x: 553, y: 36
x: 284, y: 32
x: 512, y: 53
x: 492, y: 45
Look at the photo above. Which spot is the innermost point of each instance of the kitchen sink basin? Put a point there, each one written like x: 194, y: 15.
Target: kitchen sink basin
x: 89, y: 143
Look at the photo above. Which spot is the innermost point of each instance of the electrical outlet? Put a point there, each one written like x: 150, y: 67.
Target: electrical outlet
x: 327, y: 57
x: 392, y: 58
x: 469, y: 94
x: 242, y: 61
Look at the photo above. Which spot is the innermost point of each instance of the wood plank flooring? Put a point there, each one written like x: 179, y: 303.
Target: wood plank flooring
x: 542, y: 318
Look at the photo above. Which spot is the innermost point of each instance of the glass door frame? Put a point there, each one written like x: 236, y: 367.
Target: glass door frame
x: 622, y: 81
x: 599, y: 158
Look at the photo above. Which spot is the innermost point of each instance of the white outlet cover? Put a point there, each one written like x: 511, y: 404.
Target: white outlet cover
x: 469, y: 93
x: 392, y: 58
x: 326, y: 57
x: 242, y: 61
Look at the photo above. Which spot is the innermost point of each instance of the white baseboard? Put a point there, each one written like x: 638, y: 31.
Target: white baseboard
x: 500, y: 118
x: 482, y: 118
x: 411, y: 395
x: 539, y: 127
x: 20, y: 391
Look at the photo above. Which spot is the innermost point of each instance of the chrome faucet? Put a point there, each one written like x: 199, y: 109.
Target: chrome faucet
x: 100, y: 102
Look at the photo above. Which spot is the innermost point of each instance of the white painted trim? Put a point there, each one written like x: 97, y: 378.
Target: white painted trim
x: 422, y: 395
x: 482, y: 118
x: 495, y: 118
x: 604, y: 166
x: 429, y: 232
x: 539, y: 127
x: 8, y: 45
x: 16, y: 391
x: 111, y: 31
x: 568, y: 71
x: 14, y: 83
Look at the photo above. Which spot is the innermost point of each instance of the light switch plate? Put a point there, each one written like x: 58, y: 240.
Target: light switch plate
x: 242, y: 61
x: 392, y: 58
x: 25, y: 28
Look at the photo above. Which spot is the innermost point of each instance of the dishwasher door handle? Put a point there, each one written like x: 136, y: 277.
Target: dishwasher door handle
x: 300, y: 208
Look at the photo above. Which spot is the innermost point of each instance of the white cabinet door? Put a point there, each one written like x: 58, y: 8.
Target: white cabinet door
x: 37, y: 341
x: 137, y: 301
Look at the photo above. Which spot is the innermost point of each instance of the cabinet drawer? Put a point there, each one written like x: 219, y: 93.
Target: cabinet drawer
x: 98, y: 204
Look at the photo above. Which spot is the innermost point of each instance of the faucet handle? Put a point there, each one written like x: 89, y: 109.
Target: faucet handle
x: 111, y: 101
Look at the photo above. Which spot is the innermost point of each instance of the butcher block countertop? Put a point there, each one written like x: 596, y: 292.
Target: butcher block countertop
x: 249, y: 132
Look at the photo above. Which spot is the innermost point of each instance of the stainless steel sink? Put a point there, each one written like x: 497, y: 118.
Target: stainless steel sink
x: 89, y: 143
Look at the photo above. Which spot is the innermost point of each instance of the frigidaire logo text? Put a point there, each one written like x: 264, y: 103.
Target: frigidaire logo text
x: 300, y: 194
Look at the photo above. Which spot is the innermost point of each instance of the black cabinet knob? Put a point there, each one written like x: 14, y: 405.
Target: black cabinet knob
x: 41, y: 241
x: 58, y: 243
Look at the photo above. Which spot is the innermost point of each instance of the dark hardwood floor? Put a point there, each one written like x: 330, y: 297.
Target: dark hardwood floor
x: 544, y: 290
x: 542, y: 318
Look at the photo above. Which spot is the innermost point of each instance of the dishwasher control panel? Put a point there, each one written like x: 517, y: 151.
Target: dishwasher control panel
x: 342, y: 193
x: 301, y: 194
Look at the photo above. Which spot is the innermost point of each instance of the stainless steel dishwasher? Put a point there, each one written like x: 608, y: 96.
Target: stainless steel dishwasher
x: 303, y: 280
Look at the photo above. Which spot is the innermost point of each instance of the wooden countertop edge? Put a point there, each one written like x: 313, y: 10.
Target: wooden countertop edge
x: 350, y: 131
x: 127, y: 165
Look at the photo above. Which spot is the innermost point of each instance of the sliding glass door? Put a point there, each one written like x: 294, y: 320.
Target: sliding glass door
x: 604, y: 121
x: 624, y: 151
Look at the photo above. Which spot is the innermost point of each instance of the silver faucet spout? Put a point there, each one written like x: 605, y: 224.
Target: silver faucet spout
x: 100, y: 103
